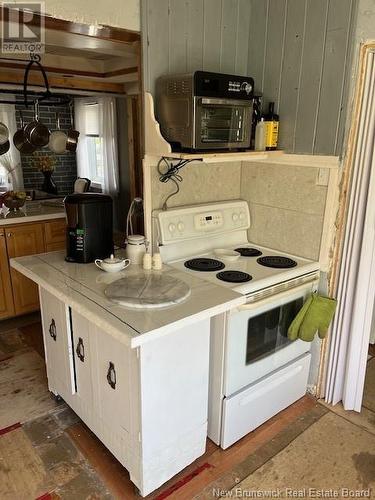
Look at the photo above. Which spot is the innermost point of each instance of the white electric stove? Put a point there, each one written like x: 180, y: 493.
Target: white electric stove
x: 256, y: 371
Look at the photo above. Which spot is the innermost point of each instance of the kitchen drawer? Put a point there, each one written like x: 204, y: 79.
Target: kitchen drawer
x: 253, y: 406
x: 55, y: 233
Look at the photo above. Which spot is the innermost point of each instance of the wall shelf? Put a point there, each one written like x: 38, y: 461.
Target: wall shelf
x: 157, y: 147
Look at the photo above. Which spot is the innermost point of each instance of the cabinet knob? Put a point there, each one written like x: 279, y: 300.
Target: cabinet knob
x: 80, y: 350
x: 9, y: 235
x: 111, y: 375
x: 52, y: 330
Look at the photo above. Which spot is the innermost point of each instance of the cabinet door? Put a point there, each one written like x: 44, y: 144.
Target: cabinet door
x: 55, y: 235
x: 58, y: 346
x: 6, y: 297
x: 112, y: 395
x: 82, y: 357
x: 24, y: 239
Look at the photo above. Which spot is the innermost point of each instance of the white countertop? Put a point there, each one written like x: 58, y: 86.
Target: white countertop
x: 82, y: 286
x: 32, y: 211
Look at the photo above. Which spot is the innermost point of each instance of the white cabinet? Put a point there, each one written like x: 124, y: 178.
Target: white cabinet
x: 83, y: 356
x: 148, y: 405
x: 57, y: 344
x: 112, y: 376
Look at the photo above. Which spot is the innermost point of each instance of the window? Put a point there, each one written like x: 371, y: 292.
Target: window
x: 97, y: 155
x: 95, y: 163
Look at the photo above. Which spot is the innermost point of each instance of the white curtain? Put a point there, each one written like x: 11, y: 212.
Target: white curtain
x: 107, y: 130
x: 11, y: 160
x: 351, y: 327
x: 80, y: 105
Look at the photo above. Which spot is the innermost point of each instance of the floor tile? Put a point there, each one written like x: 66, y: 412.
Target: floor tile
x: 22, y: 473
x: 331, y: 454
x: 24, y: 392
x: 365, y: 419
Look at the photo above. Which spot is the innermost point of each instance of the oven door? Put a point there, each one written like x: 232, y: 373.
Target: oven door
x: 257, y: 343
x: 222, y: 123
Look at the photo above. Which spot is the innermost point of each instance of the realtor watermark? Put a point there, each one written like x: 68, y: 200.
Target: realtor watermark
x: 291, y: 493
x: 22, y: 28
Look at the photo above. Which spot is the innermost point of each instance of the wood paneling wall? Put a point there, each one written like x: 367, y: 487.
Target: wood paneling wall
x: 298, y: 52
x: 299, y: 55
x: 185, y: 35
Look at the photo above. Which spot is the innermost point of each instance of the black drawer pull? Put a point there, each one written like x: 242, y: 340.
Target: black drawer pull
x: 111, y: 375
x: 80, y: 350
x: 52, y: 330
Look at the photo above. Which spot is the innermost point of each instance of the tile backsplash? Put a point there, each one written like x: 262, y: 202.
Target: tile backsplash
x: 286, y: 207
x: 65, y: 171
x: 202, y: 183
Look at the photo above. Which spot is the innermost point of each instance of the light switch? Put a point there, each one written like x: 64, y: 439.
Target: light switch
x: 322, y: 177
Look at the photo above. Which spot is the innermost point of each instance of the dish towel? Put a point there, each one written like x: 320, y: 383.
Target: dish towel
x: 315, y: 316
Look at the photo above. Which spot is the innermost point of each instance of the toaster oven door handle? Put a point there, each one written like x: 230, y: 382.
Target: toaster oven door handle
x: 292, y: 291
x: 225, y: 102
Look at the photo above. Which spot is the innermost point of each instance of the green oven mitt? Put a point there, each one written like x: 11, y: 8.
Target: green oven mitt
x: 293, y: 330
x: 317, y: 318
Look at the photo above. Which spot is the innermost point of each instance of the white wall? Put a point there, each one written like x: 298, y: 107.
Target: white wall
x: 118, y: 13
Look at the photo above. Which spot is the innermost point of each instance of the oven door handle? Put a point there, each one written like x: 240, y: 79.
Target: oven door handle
x: 225, y: 102
x: 267, y: 300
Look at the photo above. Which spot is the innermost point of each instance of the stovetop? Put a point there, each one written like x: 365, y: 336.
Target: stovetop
x: 247, y: 274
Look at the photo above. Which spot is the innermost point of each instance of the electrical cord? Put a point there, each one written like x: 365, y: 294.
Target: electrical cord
x: 171, y: 174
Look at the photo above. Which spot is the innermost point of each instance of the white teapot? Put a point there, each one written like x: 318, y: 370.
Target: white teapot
x: 112, y: 264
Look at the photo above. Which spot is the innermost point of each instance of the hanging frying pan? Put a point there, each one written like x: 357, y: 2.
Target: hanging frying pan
x: 21, y: 142
x: 4, y: 148
x: 58, y: 139
x: 72, y: 140
x: 35, y: 132
x: 4, y: 133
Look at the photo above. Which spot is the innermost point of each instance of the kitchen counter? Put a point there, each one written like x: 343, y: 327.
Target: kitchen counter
x: 32, y: 211
x: 82, y: 286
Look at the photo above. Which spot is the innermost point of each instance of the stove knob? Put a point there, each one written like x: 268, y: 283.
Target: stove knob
x: 172, y: 228
x: 180, y: 226
x: 242, y: 216
x: 235, y: 217
x: 246, y: 86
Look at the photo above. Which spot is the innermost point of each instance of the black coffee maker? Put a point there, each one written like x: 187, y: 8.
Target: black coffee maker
x: 89, y: 233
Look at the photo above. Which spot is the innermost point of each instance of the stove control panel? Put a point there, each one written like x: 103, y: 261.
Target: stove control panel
x: 196, y: 221
x: 208, y: 221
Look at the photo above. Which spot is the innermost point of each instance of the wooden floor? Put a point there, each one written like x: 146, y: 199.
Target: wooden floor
x: 56, y: 456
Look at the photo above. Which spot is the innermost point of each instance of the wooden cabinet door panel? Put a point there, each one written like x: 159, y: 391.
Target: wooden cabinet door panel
x: 6, y: 297
x: 27, y: 239
x: 55, y: 232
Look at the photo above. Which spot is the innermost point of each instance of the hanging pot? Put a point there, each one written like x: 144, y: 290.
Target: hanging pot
x: 72, y: 140
x: 58, y: 139
x: 4, y: 133
x: 35, y: 132
x: 4, y: 148
x: 21, y: 142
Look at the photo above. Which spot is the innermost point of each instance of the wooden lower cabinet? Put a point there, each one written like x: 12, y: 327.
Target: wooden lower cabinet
x: 18, y: 294
x: 6, y: 298
x: 24, y: 240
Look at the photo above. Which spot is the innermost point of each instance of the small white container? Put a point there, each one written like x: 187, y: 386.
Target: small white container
x: 157, y: 263
x: 112, y: 264
x: 260, y: 136
x: 135, y: 248
x: 147, y: 261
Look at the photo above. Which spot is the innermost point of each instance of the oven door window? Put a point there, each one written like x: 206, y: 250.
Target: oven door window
x: 268, y: 332
x: 222, y: 123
